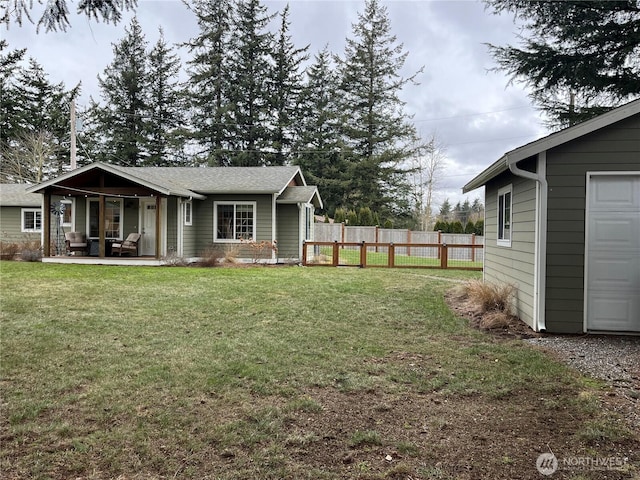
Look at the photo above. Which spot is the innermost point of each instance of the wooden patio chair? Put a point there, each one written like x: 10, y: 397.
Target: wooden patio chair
x: 76, y: 242
x: 130, y: 245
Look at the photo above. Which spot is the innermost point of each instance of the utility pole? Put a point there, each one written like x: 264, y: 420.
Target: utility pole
x: 73, y: 135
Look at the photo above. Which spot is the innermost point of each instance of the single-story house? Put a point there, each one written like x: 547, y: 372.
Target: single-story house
x: 20, y: 214
x: 562, y: 224
x: 181, y: 211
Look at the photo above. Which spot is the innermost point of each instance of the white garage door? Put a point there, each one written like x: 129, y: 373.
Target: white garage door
x: 613, y: 253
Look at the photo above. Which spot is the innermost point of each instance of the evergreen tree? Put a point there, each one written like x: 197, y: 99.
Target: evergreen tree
x: 579, y: 57
x: 123, y: 117
x: 378, y: 133
x: 9, y: 92
x: 55, y: 13
x: 318, y: 148
x: 445, y: 209
x: 286, y: 86
x: 209, y: 81
x: 470, y: 227
x: 165, y: 135
x: 365, y: 216
x: 34, y: 120
x: 249, y: 72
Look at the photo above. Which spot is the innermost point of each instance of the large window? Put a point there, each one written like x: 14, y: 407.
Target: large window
x: 504, y: 216
x: 112, y: 218
x: 234, y: 221
x: 31, y: 220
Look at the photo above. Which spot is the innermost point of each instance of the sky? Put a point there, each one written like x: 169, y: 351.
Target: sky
x: 475, y: 113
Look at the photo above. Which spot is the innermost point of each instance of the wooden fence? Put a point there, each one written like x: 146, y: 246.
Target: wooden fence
x: 396, y: 255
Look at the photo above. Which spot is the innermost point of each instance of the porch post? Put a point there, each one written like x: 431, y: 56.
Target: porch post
x: 101, y: 233
x: 158, y: 229
x: 46, y: 224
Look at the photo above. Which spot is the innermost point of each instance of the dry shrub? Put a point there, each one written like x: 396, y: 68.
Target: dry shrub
x: 495, y: 319
x: 212, y: 256
x: 8, y: 250
x: 490, y: 297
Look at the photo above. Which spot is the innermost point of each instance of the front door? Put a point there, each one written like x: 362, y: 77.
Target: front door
x: 148, y: 222
x: 613, y: 253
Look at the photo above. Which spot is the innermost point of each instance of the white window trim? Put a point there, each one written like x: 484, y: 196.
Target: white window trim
x: 501, y: 192
x: 22, y: 223
x: 68, y: 204
x: 188, y: 219
x: 235, y: 203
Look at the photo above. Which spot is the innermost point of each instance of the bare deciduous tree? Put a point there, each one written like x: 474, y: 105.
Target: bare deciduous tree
x: 29, y: 160
x: 425, y: 169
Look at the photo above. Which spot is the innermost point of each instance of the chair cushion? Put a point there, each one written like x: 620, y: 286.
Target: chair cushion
x: 75, y: 237
x: 79, y: 244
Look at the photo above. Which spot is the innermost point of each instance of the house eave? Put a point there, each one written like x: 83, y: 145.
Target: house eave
x: 551, y: 141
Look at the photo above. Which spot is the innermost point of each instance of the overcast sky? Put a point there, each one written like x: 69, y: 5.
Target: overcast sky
x: 475, y: 114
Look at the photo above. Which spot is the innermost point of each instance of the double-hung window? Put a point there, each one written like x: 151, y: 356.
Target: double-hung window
x: 31, y: 220
x: 504, y: 216
x: 234, y: 221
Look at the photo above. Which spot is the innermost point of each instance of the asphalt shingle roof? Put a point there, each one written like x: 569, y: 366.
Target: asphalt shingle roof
x: 14, y: 195
x: 217, y: 179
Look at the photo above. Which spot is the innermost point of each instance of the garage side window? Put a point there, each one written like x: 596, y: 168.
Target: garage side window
x: 504, y: 216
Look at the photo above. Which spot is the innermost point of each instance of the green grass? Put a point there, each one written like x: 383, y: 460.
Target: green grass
x: 116, y: 371
x: 351, y: 256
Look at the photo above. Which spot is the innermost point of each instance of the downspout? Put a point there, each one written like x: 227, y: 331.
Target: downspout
x: 540, y: 177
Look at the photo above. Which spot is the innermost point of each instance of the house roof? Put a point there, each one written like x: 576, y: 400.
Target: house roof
x: 553, y: 140
x: 15, y: 195
x: 196, y: 182
x: 303, y: 194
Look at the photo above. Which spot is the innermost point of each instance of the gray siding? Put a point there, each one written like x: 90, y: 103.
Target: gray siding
x: 203, y: 220
x: 288, y: 232
x: 10, y: 226
x: 613, y: 148
x: 514, y: 264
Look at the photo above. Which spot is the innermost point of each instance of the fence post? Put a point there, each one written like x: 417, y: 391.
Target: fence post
x: 391, y: 255
x: 342, y: 233
x: 439, y: 241
x: 304, y: 253
x: 363, y: 255
x: 377, y: 237
x: 408, y: 241
x: 336, y: 254
x: 443, y: 256
x: 473, y: 250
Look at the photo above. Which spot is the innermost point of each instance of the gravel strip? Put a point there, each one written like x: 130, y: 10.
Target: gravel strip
x: 614, y: 359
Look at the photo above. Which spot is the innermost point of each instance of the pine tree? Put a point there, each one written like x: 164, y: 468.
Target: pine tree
x: 579, y: 57
x: 209, y: 81
x: 286, y: 86
x: 55, y: 13
x: 165, y: 135
x: 123, y: 117
x: 250, y: 69
x: 445, y: 209
x: 9, y: 91
x: 318, y: 148
x: 378, y: 132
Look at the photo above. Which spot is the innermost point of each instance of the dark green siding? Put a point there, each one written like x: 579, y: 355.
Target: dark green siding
x: 613, y: 148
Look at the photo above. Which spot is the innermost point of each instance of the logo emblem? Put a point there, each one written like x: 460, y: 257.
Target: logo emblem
x: 547, y: 463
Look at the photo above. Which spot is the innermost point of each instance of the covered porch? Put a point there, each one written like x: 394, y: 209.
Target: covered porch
x: 104, y: 206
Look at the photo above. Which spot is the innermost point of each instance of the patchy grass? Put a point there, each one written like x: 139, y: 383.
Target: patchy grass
x: 300, y: 373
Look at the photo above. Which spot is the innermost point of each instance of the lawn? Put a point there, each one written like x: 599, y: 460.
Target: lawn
x: 268, y: 373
